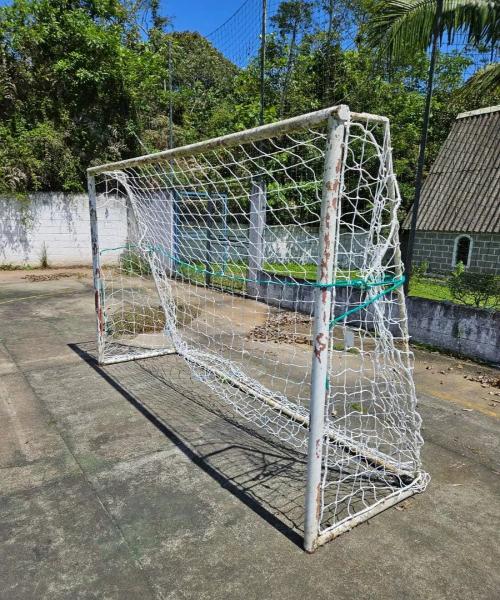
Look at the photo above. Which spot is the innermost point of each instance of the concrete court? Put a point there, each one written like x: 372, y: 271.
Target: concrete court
x: 118, y: 485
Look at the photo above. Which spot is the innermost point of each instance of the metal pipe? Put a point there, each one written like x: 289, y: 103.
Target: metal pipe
x: 257, y: 224
x: 96, y: 268
x: 371, y: 511
x: 262, y: 60
x: 255, y: 134
x: 423, y: 145
x: 302, y: 418
x: 233, y: 139
x: 148, y: 353
x: 322, y: 312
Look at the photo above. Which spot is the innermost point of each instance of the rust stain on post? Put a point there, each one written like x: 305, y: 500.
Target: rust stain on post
x: 324, y: 295
x: 98, y: 308
x: 333, y: 186
x: 318, y: 503
x: 320, y: 345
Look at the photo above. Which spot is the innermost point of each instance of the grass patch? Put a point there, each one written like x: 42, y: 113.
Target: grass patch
x: 430, y: 288
x: 236, y: 273
x: 308, y: 272
x: 435, y: 289
x: 295, y: 270
x: 230, y: 276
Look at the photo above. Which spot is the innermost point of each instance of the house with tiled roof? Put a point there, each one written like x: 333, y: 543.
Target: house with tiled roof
x: 459, y: 215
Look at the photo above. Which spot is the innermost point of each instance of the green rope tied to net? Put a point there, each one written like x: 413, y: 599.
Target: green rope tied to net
x: 394, y: 284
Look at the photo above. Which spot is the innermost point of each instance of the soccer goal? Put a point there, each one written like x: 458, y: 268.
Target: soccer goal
x: 269, y: 260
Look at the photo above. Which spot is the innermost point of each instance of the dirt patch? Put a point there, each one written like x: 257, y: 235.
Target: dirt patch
x: 287, y: 327
x: 485, y: 380
x: 137, y: 319
x: 52, y: 276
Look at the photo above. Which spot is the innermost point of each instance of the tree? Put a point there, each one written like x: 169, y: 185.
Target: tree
x: 400, y: 27
x: 63, y: 65
x: 292, y: 18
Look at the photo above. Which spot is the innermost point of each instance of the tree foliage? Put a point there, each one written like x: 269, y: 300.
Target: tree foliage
x: 481, y: 290
x: 83, y: 82
x: 399, y: 27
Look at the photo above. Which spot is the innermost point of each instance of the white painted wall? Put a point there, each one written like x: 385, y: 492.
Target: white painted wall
x: 61, y: 221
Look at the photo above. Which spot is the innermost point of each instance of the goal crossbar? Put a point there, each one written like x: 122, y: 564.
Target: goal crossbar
x: 255, y: 134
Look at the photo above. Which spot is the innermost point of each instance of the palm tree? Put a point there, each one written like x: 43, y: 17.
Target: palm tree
x: 399, y: 27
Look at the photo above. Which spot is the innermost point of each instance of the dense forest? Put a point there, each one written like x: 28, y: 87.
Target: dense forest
x: 85, y: 81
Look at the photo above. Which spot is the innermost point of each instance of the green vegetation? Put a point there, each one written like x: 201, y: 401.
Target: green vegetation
x: 132, y: 263
x: 235, y: 274
x: 430, y: 288
x: 404, y: 26
x: 295, y: 270
x: 84, y: 82
x: 307, y: 272
x: 475, y: 289
x: 44, y: 258
x: 481, y: 290
x: 232, y: 275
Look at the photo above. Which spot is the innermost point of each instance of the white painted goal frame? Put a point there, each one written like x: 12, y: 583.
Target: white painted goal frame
x: 359, y: 459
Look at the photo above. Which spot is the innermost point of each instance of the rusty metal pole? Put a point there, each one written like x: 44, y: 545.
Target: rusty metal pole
x: 324, y: 296
x: 96, y: 267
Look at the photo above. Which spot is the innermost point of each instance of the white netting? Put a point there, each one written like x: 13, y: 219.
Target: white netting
x: 220, y: 266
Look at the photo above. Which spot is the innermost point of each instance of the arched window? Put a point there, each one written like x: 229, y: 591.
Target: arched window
x: 462, y: 250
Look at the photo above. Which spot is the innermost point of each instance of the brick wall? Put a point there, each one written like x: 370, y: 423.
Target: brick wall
x: 437, y: 249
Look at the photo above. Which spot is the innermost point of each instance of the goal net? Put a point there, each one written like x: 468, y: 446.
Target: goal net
x: 269, y: 260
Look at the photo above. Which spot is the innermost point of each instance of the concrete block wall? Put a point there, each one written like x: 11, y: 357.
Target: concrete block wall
x: 61, y: 222
x: 282, y: 243
x: 486, y: 253
x: 472, y: 332
x: 465, y: 330
x: 437, y: 247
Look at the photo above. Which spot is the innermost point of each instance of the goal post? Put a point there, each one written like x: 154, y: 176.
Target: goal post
x: 269, y: 260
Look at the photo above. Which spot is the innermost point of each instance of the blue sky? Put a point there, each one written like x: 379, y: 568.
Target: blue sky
x: 196, y: 15
x: 199, y: 15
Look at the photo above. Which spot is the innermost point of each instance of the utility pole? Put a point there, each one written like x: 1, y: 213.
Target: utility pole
x: 423, y: 144
x: 263, y: 60
x: 170, y: 96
